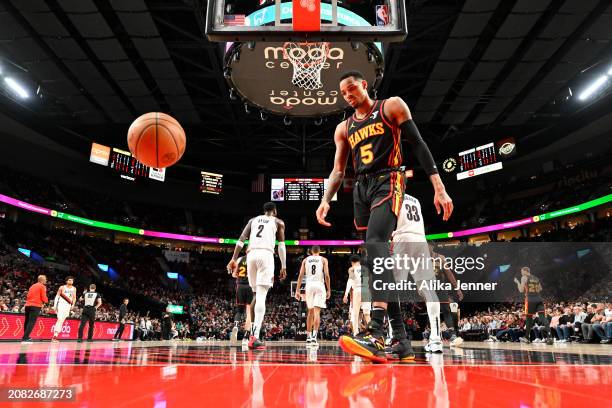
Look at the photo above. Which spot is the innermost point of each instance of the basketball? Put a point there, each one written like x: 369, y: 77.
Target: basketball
x: 156, y: 140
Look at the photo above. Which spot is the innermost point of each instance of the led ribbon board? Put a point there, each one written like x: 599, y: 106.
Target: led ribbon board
x: 231, y: 241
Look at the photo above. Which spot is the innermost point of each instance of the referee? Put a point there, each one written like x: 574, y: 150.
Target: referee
x: 92, y: 301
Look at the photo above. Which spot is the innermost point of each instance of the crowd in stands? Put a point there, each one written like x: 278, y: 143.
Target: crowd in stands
x: 569, y: 322
x: 207, y: 292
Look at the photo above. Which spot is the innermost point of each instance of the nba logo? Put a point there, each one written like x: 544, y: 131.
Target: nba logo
x: 382, y: 15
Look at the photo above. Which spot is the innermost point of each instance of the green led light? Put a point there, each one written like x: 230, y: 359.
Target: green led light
x: 576, y: 208
x: 97, y: 224
x: 442, y: 235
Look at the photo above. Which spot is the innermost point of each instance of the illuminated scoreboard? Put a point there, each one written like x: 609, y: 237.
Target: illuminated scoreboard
x: 479, y: 160
x: 211, y: 183
x: 298, y: 189
x: 124, y: 163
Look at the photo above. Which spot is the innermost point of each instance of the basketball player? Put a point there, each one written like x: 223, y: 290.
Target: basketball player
x: 354, y: 283
x: 262, y: 232
x: 372, y: 135
x: 244, y: 297
x: 314, y: 270
x: 65, y: 299
x: 448, y: 306
x: 409, y: 239
x: 531, y: 286
x: 92, y: 301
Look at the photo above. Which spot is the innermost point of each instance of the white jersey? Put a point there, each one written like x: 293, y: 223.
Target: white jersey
x: 410, y: 221
x: 263, y: 233
x: 313, y: 269
x: 357, y: 278
x: 70, y: 293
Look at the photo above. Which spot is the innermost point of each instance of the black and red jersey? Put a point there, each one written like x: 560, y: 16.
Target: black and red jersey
x: 375, y: 142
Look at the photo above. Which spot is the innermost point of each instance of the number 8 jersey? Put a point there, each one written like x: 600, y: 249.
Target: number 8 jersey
x: 410, y: 226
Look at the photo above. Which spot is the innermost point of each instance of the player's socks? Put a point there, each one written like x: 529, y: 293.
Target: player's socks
x: 433, y: 312
x: 395, y: 320
x: 378, y: 318
x: 260, y: 309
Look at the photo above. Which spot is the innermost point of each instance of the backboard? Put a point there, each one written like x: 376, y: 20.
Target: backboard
x: 311, y: 20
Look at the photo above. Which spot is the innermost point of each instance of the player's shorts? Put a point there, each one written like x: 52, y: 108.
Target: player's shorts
x: 445, y: 296
x: 315, y: 295
x: 533, y: 306
x: 417, y: 267
x: 63, y: 310
x: 373, y: 190
x: 260, y: 268
x: 244, y: 294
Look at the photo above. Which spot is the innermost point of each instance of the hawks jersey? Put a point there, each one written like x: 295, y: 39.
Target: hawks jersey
x: 65, y: 296
x: 532, y: 286
x: 313, y: 269
x: 375, y: 143
x: 263, y: 233
x: 242, y: 270
x: 410, y: 221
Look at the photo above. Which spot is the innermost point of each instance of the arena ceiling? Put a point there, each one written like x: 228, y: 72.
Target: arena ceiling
x: 470, y: 71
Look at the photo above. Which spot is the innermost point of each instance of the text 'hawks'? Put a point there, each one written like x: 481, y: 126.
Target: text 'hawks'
x: 374, y: 129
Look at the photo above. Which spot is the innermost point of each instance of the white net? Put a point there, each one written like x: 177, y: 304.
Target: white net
x: 307, y: 60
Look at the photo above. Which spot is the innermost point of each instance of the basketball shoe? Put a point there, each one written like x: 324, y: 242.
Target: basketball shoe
x: 255, y: 344
x: 369, y: 344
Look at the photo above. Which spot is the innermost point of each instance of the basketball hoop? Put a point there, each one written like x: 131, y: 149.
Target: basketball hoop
x: 307, y: 60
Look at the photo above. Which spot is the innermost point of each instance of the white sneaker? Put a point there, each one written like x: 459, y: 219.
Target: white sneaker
x: 309, y: 340
x: 314, y: 343
x: 456, y: 342
x: 434, y: 347
x: 245, y: 342
x: 388, y: 341
x: 27, y: 342
x: 234, y: 335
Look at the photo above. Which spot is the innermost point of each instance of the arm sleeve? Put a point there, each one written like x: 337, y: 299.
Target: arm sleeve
x: 419, y: 147
x: 282, y: 254
x: 349, y: 285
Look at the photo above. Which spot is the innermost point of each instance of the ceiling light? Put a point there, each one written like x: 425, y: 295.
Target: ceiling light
x: 16, y: 87
x: 591, y: 89
x: 610, y: 72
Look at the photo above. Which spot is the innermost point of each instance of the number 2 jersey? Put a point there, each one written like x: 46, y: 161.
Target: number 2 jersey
x: 263, y: 233
x: 410, y: 226
x: 375, y: 142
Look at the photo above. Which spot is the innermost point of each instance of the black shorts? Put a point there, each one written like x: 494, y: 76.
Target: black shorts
x: 375, y: 190
x: 244, y: 294
x: 533, y: 306
x: 445, y: 296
